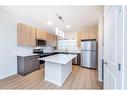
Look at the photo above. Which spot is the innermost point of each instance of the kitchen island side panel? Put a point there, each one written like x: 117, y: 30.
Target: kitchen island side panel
x: 52, y: 73
x: 57, y: 73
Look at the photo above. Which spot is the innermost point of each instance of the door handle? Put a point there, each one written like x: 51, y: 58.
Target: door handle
x: 119, y: 67
x: 104, y: 62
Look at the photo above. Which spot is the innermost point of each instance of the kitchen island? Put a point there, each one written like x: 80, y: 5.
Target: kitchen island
x: 58, y: 67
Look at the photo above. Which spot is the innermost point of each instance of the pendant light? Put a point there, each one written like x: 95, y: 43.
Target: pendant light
x: 62, y: 34
x: 57, y: 31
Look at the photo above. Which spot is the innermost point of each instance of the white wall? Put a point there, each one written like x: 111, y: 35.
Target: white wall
x: 100, y: 45
x: 8, y: 44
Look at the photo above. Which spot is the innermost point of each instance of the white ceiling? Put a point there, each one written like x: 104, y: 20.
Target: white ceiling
x: 76, y: 16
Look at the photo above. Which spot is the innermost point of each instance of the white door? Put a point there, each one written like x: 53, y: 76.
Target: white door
x: 125, y: 47
x: 113, y: 46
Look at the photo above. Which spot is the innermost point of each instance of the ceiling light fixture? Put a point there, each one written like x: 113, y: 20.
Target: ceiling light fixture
x: 60, y: 17
x: 68, y: 26
x: 57, y: 31
x: 62, y: 34
x: 49, y: 23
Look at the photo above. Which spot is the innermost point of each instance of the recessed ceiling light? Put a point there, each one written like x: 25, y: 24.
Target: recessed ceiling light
x: 68, y: 26
x: 49, y: 23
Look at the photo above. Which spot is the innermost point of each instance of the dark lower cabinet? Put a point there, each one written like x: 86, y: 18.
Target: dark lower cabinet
x: 27, y: 64
x: 79, y: 59
x: 76, y: 61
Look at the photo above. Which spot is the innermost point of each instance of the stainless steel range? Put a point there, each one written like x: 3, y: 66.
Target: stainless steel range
x: 42, y: 54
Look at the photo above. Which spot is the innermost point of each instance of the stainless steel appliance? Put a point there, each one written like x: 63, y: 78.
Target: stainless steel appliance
x: 40, y: 42
x: 41, y: 54
x: 88, y: 53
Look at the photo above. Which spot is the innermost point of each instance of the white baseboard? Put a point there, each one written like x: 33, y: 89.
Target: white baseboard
x: 2, y: 77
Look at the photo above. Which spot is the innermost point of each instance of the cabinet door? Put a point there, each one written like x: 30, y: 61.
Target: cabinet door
x: 36, y: 64
x: 33, y: 37
x: 26, y: 65
x: 55, y: 41
x: 78, y: 39
x: 51, y: 40
x: 78, y: 59
x: 41, y: 34
x: 26, y: 35
x: 48, y: 39
x: 21, y: 34
x: 31, y: 63
x: 80, y: 36
x: 92, y: 34
x: 38, y: 34
x: 44, y: 35
x: 84, y: 35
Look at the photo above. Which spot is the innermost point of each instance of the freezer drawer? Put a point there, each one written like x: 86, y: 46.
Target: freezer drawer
x: 88, y: 59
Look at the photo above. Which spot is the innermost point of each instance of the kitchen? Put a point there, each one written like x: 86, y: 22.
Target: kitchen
x: 32, y: 42
x: 45, y: 46
x: 54, y: 47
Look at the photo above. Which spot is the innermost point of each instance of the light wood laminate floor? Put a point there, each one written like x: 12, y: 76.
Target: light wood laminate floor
x: 80, y: 78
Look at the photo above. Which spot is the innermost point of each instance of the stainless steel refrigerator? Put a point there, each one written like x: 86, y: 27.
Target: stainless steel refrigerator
x: 88, y: 53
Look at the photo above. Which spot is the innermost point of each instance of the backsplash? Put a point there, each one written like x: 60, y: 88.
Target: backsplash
x: 69, y: 45
x: 45, y: 49
x: 69, y: 49
x: 24, y: 50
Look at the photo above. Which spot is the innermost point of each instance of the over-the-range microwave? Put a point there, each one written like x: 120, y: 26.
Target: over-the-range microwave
x: 40, y: 42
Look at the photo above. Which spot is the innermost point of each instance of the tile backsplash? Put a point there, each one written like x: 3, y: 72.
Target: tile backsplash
x: 45, y: 49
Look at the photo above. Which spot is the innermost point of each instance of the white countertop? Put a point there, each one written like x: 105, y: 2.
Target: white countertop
x: 59, y: 58
x: 69, y: 51
x: 28, y: 54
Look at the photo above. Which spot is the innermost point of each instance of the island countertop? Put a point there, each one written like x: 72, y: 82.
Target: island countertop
x: 59, y: 58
